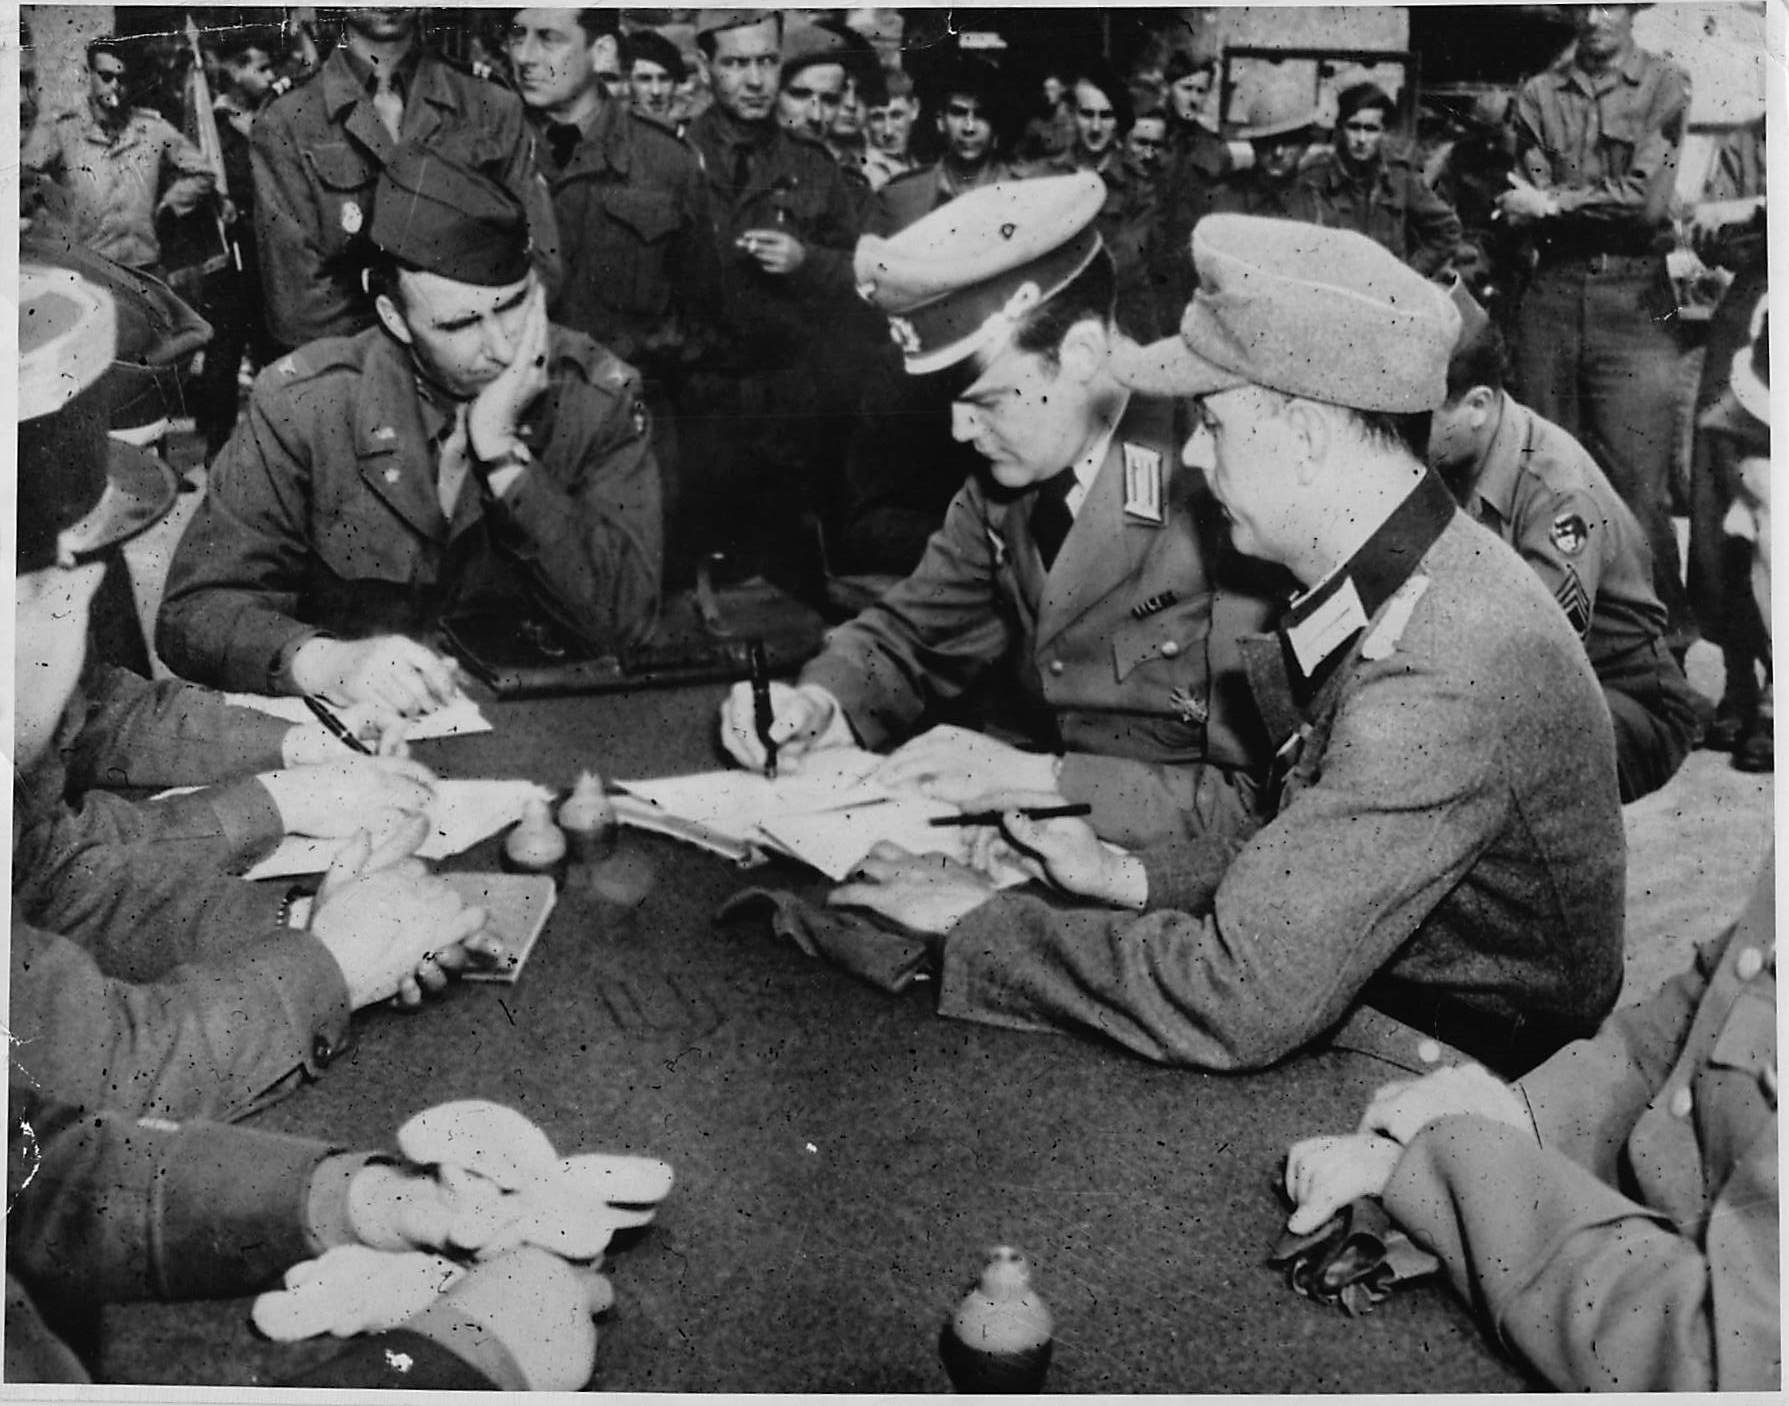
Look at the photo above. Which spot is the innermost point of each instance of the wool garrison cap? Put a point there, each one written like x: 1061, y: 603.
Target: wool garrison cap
x: 806, y: 44
x: 957, y: 280
x: 1324, y: 314
x: 713, y: 21
x: 78, y: 491
x: 434, y: 214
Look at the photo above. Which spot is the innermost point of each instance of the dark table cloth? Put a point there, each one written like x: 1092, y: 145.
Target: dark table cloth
x: 844, y: 1157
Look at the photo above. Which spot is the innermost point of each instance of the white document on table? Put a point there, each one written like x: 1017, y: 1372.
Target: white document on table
x: 460, y: 718
x: 827, y: 815
x: 463, y: 813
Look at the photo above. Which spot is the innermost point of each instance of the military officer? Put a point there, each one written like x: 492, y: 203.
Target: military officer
x: 1076, y: 552
x: 464, y: 454
x: 319, y: 149
x: 1537, y: 488
x: 1446, y: 845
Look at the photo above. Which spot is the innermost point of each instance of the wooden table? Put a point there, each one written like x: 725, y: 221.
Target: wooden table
x: 844, y: 1157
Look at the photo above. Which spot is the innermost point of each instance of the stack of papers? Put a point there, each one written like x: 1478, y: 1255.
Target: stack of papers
x: 829, y: 815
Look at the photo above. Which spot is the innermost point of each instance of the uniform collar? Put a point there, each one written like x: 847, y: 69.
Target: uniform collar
x: 97, y: 132
x: 1631, y: 69
x: 1319, y: 625
x: 1087, y: 468
x: 1497, y: 477
x: 604, y: 144
x: 347, y: 79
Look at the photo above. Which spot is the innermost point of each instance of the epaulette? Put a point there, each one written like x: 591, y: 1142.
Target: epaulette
x: 600, y: 366
x: 312, y: 359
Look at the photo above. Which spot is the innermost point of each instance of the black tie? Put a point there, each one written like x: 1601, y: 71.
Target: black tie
x: 742, y: 167
x: 1050, y: 517
x: 563, y: 138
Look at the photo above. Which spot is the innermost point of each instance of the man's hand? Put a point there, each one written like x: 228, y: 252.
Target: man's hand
x: 777, y: 251
x: 1068, y: 854
x: 803, y: 719
x: 1323, y: 1174
x: 959, y: 766
x: 927, y: 892
x: 341, y: 797
x: 1403, y: 1109
x: 1709, y: 219
x: 393, y: 931
x: 392, y: 672
x: 494, y: 422
x: 1523, y: 203
x: 307, y: 744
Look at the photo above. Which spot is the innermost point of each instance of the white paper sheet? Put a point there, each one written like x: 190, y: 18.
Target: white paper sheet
x: 464, y: 813
x: 460, y: 718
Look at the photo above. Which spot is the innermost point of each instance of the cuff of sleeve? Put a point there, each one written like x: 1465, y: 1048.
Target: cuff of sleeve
x: 845, y: 683
x: 471, y: 1341
x: 327, y: 1221
x: 279, y: 668
x: 1185, y: 875
x: 250, y: 821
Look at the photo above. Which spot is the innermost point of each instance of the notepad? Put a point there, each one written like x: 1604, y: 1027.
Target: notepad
x: 460, y: 718
x: 516, y: 909
x: 463, y: 813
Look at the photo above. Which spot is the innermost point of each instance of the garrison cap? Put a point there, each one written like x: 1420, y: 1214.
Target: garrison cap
x: 78, y: 491
x: 713, y: 21
x: 1323, y: 314
x: 437, y: 215
x: 957, y: 280
x: 806, y: 44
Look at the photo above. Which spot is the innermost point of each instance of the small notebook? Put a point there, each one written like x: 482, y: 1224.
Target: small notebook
x: 517, y: 905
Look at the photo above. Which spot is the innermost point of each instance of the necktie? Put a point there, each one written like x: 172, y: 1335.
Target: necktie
x: 563, y: 139
x: 389, y: 104
x: 742, y: 167
x: 1050, y: 517
x: 454, y: 463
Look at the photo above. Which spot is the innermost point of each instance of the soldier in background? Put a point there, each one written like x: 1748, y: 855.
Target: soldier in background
x: 890, y: 128
x: 965, y: 99
x: 319, y: 149
x: 654, y: 69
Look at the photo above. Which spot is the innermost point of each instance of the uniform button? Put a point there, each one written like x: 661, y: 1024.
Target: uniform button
x: 1750, y: 963
x: 1681, y: 1103
x: 1170, y: 649
x: 321, y: 1050
x: 1056, y: 667
x: 1429, y: 1052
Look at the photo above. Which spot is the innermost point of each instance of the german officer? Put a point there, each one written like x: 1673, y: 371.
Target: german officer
x: 1537, y: 488
x: 1446, y: 845
x: 1077, y: 552
x: 319, y: 149
x: 463, y: 454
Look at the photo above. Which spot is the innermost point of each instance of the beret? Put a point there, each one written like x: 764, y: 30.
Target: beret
x: 650, y: 45
x: 1323, y: 314
x: 956, y: 280
x: 435, y: 214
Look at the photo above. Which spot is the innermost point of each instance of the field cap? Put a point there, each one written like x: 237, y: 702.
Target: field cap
x: 78, y: 490
x: 713, y: 21
x: 957, y: 280
x: 436, y: 215
x: 806, y: 44
x: 1323, y: 314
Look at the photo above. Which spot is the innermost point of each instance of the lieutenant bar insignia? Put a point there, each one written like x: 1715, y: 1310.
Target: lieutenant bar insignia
x: 1143, y: 483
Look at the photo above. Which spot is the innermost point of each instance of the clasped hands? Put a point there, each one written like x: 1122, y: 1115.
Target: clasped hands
x: 1323, y: 1174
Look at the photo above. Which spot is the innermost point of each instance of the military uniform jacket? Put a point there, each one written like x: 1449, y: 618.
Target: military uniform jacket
x: 1447, y: 829
x: 1542, y: 493
x: 640, y: 264
x: 914, y: 194
x: 1393, y: 206
x: 1128, y: 640
x: 1633, y: 1247
x: 1607, y: 148
x: 1126, y: 222
x: 322, y: 515
x: 317, y: 154
x: 791, y: 184
x: 115, y: 181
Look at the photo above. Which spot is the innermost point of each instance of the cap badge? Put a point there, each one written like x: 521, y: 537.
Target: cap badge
x: 905, y: 334
x: 352, y: 219
x: 1143, y: 483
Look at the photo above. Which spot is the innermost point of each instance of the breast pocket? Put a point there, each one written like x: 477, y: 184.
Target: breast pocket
x: 634, y: 258
x: 361, y: 539
x: 1162, y: 679
x: 344, y: 179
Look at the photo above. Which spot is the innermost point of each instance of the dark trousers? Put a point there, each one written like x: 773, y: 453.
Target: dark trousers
x: 1594, y: 354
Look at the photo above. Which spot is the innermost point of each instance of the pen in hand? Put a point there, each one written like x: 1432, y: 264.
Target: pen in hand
x: 337, y: 728
x: 992, y: 817
x: 762, y: 712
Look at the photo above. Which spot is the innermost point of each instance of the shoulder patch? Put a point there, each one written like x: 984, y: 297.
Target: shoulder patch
x: 1382, y: 641
x: 1569, y: 533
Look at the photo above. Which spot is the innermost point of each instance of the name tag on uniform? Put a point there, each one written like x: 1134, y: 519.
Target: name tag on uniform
x: 1143, y: 484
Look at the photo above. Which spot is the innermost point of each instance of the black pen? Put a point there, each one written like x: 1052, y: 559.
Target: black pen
x: 761, y: 709
x: 992, y: 817
x: 336, y: 726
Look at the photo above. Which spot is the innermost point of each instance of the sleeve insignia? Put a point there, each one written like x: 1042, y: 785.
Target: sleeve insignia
x: 1569, y: 533
x: 1574, y: 600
